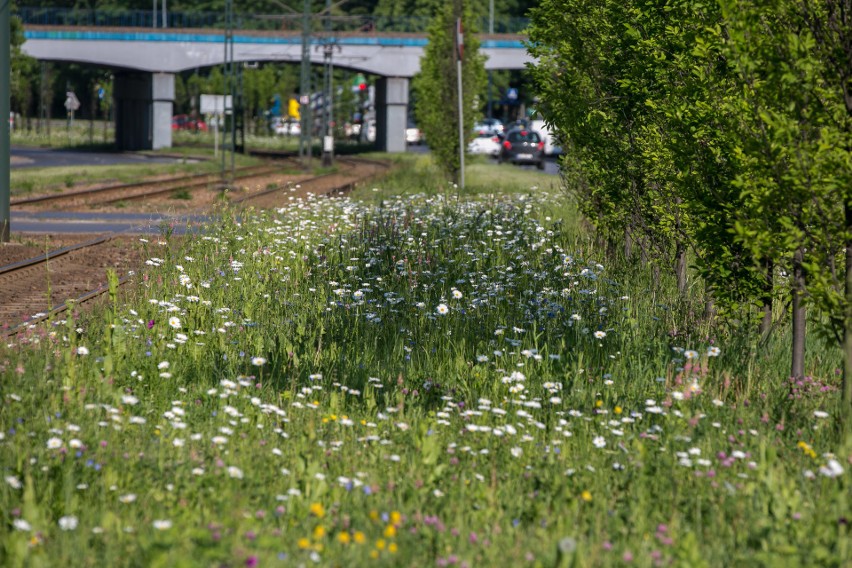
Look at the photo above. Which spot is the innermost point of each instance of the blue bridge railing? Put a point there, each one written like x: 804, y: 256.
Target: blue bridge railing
x: 291, y: 22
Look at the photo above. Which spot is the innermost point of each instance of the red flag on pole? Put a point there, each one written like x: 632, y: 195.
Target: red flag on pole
x: 460, y: 38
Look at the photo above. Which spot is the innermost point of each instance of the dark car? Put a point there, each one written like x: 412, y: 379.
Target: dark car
x: 522, y: 146
x: 186, y: 122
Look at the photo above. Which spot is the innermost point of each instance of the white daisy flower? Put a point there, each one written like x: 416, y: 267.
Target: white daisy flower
x: 68, y: 523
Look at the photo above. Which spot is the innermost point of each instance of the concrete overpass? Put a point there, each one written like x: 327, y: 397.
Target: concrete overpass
x: 147, y: 59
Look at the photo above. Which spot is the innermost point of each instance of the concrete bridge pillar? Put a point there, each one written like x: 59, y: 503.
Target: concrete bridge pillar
x: 391, y: 113
x: 143, y: 110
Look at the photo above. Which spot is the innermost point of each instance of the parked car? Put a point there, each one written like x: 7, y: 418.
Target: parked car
x: 413, y: 134
x: 186, y: 122
x: 485, y: 144
x: 288, y: 128
x: 521, y: 146
x: 550, y: 147
x: 490, y: 126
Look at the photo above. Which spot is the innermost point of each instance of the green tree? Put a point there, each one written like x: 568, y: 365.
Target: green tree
x: 796, y: 129
x: 721, y: 125
x: 436, y: 85
x: 24, y: 71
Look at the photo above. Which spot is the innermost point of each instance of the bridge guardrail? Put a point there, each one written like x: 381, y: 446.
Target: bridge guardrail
x: 269, y: 22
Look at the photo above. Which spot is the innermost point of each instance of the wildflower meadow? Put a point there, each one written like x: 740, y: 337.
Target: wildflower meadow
x: 412, y: 379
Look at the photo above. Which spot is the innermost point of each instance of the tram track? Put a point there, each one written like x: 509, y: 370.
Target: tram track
x: 141, y: 190
x: 34, y: 289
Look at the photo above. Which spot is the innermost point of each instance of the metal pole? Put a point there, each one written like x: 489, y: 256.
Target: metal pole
x: 154, y: 15
x: 166, y: 15
x: 233, y: 78
x: 459, y: 55
x: 461, y: 127
x: 305, y: 89
x: 40, y: 122
x: 5, y: 141
x: 331, y: 108
x: 491, y: 32
x: 224, y: 87
x: 326, y: 115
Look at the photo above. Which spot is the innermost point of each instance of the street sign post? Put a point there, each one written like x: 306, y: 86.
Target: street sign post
x: 72, y: 104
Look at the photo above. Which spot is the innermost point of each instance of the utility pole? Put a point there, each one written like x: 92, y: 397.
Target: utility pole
x: 5, y: 96
x: 229, y: 63
x: 305, y: 87
x: 329, y: 45
x: 459, y: 57
x: 490, y: 32
x: 305, y: 111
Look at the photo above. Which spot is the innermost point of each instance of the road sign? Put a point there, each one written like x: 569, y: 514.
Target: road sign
x: 215, y: 104
x: 101, y: 92
x: 71, y: 102
x: 512, y: 94
x: 305, y: 99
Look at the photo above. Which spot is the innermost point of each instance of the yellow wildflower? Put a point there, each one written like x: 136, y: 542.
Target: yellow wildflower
x: 359, y: 537
x: 395, y: 518
x: 317, y: 510
x: 617, y: 410
x: 586, y: 496
x: 343, y: 537
x: 303, y: 543
x: 380, y: 544
x: 392, y: 548
x: 390, y: 531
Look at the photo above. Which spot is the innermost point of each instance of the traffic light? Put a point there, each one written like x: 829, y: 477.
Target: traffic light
x: 359, y: 83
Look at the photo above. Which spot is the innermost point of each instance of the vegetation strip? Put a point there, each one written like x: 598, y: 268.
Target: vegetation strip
x: 410, y: 380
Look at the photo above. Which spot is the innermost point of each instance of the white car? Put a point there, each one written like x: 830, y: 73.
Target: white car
x: 285, y: 128
x: 413, y: 134
x: 484, y: 144
x: 550, y: 148
x: 490, y: 126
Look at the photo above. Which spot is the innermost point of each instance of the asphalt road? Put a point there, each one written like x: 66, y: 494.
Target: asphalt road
x: 23, y: 157
x: 550, y: 164
x: 55, y: 222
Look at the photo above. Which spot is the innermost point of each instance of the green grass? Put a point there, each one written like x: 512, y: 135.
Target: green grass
x: 25, y: 181
x: 411, y: 377
x: 416, y: 173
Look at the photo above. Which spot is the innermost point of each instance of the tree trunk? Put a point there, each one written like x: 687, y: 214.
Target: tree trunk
x: 709, y: 305
x: 797, y: 367
x: 846, y: 412
x: 766, y: 321
x: 680, y: 268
